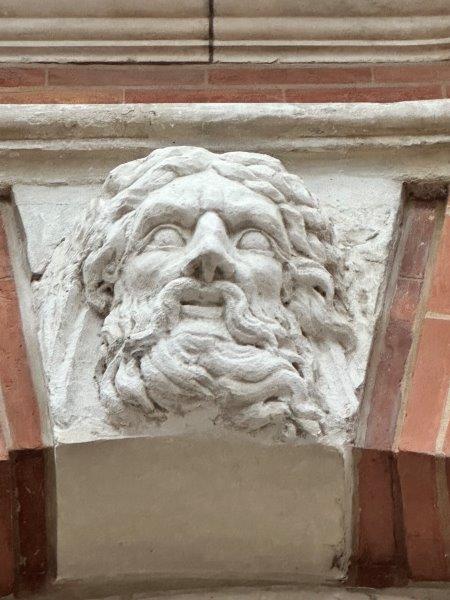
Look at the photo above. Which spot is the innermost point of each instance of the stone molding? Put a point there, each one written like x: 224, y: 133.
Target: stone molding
x: 225, y: 31
x: 324, y: 31
x: 140, y: 32
x: 283, y: 127
x: 339, y: 39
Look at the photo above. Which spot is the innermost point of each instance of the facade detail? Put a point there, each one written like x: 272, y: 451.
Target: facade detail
x: 225, y: 300
x: 223, y: 31
x: 224, y: 346
x: 215, y: 281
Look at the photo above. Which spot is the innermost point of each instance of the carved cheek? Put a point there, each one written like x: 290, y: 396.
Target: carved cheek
x: 151, y: 270
x: 264, y: 274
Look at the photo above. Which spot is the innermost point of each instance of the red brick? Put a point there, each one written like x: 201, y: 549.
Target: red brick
x: 6, y: 530
x: 126, y: 76
x: 21, y: 76
x: 364, y: 94
x: 288, y: 75
x: 376, y: 508
x: 5, y: 265
x: 29, y: 477
x: 421, y: 228
x: 439, y: 300
x: 245, y: 95
x: 3, y: 444
x: 386, y: 395
x: 62, y: 95
x: 201, y: 95
x: 412, y: 73
x: 447, y: 476
x: 428, y: 388
x: 406, y: 299
x: 20, y: 403
x: 424, y: 539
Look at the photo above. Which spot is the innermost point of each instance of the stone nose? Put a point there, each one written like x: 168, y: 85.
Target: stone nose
x: 209, y: 259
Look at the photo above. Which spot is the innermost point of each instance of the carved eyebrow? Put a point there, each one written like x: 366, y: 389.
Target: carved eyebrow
x: 246, y: 218
x: 160, y: 212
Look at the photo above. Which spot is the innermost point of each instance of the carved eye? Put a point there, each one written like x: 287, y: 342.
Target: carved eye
x: 254, y: 240
x: 166, y: 237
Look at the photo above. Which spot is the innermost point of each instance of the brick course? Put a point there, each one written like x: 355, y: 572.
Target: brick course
x: 223, y: 83
x: 439, y: 301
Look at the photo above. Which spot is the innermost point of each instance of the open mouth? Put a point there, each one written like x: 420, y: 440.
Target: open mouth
x: 205, y: 304
x: 196, y: 311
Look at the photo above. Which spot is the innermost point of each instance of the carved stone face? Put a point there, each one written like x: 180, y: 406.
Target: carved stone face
x: 202, y: 280
x: 213, y: 279
x: 211, y: 229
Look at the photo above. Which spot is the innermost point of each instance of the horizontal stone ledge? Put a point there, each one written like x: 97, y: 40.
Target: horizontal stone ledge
x: 227, y: 144
x: 102, y: 8
x: 283, y: 31
x: 345, y: 28
x: 329, y: 51
x: 328, y: 8
x: 164, y: 38
x: 94, y: 51
x: 79, y: 29
x: 286, y: 124
x: 323, y: 31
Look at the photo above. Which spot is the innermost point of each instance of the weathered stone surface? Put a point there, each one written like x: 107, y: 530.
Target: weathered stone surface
x: 214, y: 281
x: 159, y: 31
x: 306, y: 594
x: 263, y: 127
x: 48, y: 214
x: 137, y: 31
x: 330, y: 32
x: 364, y: 225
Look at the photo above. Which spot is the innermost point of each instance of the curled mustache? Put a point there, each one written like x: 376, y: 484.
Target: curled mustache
x: 243, y: 326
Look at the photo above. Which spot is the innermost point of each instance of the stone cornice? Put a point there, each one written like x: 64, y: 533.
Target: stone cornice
x: 336, y: 39
x: 284, y: 127
x: 224, y: 31
x: 324, y: 31
x: 102, y: 31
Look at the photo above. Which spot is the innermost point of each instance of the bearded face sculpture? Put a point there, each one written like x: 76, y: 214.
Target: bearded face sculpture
x: 215, y: 278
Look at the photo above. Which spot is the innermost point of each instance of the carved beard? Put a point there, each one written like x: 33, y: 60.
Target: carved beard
x: 159, y: 361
